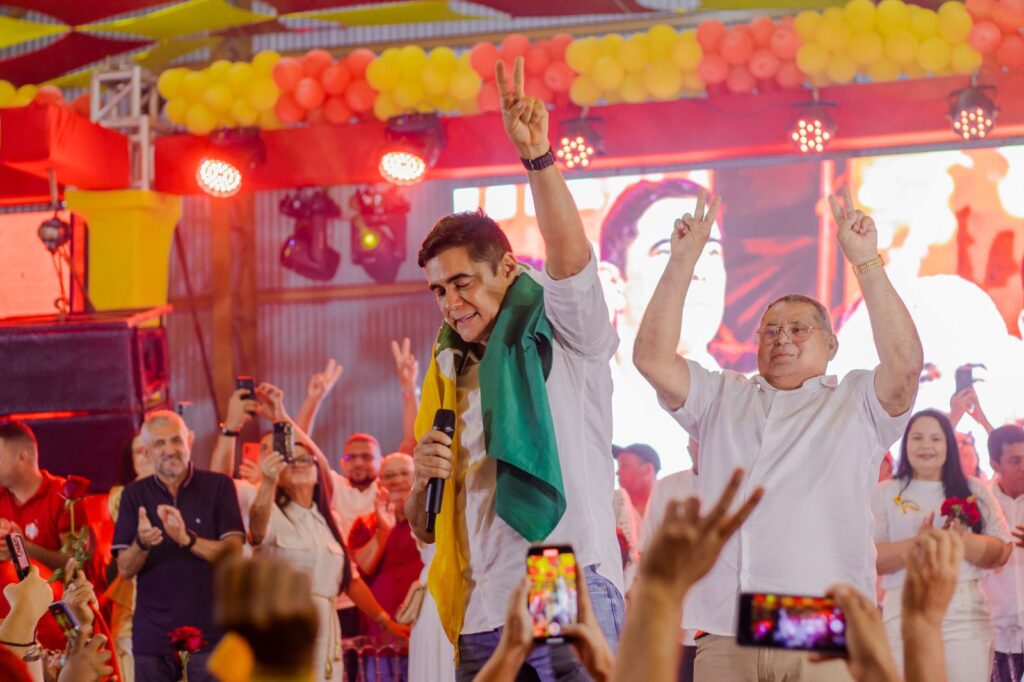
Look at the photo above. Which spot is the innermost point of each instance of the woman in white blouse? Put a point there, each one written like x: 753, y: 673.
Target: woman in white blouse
x: 929, y: 473
x: 291, y: 519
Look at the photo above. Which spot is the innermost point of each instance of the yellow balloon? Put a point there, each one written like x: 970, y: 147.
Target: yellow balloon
x: 264, y: 62
x: 384, y: 107
x: 581, y: 54
x: 24, y: 95
x: 263, y: 93
x: 169, y: 82
x: 901, y: 47
x: 219, y: 69
x: 383, y: 74
x: 193, y: 85
x: 660, y: 39
x: 859, y: 15
x: 239, y: 77
x: 693, y: 84
x: 965, y: 59
x: 892, y: 16
x: 812, y: 59
x: 608, y: 73
x: 686, y: 54
x: 443, y: 59
x: 176, y: 109
x: 612, y: 96
x: 469, y: 107
x: 663, y: 80
x: 465, y: 83
x: 199, y: 120
x: 244, y: 113
x: 269, y: 121
x: 934, y: 54
x: 924, y: 23
x: 806, y: 22
x: 833, y: 14
x: 954, y: 24
x: 436, y: 78
x: 583, y: 92
x: 218, y: 98
x: 408, y: 94
x: 444, y: 102
x: 633, y: 53
x: 633, y: 89
x: 884, y: 69
x: 7, y: 91
x: 866, y: 48
x: 833, y: 35
x: 412, y: 59
x: 841, y: 69
x: 914, y: 70
x: 610, y: 45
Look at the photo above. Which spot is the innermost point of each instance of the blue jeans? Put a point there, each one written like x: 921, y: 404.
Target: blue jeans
x: 550, y: 663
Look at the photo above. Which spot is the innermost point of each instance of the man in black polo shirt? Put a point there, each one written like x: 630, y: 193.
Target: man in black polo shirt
x: 172, y: 525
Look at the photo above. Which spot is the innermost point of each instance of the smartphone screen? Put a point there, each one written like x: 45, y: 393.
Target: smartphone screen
x: 248, y: 384
x: 552, y: 598
x: 19, y: 554
x: 785, y: 621
x: 65, y: 619
x: 251, y: 452
x: 964, y: 376
x: 284, y: 440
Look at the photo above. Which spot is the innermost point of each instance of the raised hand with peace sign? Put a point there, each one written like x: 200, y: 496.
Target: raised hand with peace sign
x: 526, y: 118
x: 691, y: 232
x: 857, y: 234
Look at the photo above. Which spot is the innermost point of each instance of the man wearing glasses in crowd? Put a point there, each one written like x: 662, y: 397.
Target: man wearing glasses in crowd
x: 813, y: 442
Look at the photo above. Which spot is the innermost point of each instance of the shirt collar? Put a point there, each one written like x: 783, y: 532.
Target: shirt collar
x: 822, y: 380
x: 184, y: 483
x: 48, y: 481
x: 997, y: 490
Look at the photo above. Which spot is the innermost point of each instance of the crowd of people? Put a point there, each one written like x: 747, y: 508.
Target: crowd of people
x: 281, y: 568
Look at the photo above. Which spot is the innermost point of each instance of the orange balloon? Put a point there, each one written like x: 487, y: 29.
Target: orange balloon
x: 288, y: 110
x: 483, y: 57
x: 336, y: 110
x: 287, y: 73
x: 489, y: 98
x: 357, y: 61
x: 309, y: 94
x: 359, y: 96
x: 315, y: 61
x: 335, y: 78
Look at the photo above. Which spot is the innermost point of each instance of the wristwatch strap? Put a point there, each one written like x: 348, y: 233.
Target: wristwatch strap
x: 541, y: 162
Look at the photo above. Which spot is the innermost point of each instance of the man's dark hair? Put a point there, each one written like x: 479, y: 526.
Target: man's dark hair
x: 619, y: 229
x: 474, y: 230
x: 1011, y: 434
x: 18, y: 432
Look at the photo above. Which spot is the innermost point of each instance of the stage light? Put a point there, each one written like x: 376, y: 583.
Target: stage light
x: 378, y: 231
x: 813, y: 126
x: 972, y: 112
x: 307, y: 251
x: 414, y: 143
x: 54, y: 233
x: 579, y: 142
x: 230, y: 155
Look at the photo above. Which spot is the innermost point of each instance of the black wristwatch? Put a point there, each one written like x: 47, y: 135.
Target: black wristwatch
x: 192, y: 537
x: 142, y: 545
x: 541, y: 162
x: 225, y: 431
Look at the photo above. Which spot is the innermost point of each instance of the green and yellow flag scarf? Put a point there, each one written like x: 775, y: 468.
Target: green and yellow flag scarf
x: 518, y: 431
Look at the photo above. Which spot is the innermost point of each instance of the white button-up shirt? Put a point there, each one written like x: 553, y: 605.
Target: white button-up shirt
x: 349, y: 504
x: 1005, y: 585
x: 579, y: 390
x: 816, y: 450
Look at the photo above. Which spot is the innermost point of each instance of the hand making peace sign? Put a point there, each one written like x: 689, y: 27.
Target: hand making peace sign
x: 857, y: 234
x: 691, y: 232
x: 526, y: 118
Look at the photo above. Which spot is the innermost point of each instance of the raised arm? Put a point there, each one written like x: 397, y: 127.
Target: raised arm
x: 899, y: 348
x: 271, y: 467
x: 654, y: 351
x: 320, y: 384
x: 407, y: 368
x: 526, y: 122
x: 240, y: 411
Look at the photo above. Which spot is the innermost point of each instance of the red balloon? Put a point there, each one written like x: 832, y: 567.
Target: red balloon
x: 1008, y: 15
x: 985, y: 36
x: 767, y: 85
x: 514, y: 45
x: 789, y: 75
x: 713, y: 69
x: 535, y: 87
x: 736, y: 46
x: 536, y: 61
x: 714, y: 89
x: 788, y: 21
x: 288, y: 110
x: 1011, y: 52
x: 287, y: 73
x: 763, y: 64
x: 557, y: 44
x: 559, y: 76
x: 740, y: 80
x: 337, y: 111
x: 978, y: 9
x: 315, y: 61
x: 710, y: 34
x: 785, y: 43
x: 49, y: 94
x: 489, y: 98
x: 81, y: 104
x: 316, y: 117
x: 308, y: 94
x: 335, y: 78
x: 359, y: 96
x: 482, y: 58
x: 761, y: 30
x: 357, y: 61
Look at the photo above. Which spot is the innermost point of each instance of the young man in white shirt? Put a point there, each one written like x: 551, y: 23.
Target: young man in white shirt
x: 482, y: 533
x: 813, y: 443
x: 1005, y: 585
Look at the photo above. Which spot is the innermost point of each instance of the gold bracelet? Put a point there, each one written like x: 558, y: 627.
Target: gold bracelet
x: 875, y: 262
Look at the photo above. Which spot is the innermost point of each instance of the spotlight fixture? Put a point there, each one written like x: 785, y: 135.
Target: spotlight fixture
x: 972, y: 112
x: 813, y: 127
x: 378, y: 230
x: 579, y: 142
x: 307, y: 251
x: 231, y: 154
x: 54, y: 233
x: 413, y: 145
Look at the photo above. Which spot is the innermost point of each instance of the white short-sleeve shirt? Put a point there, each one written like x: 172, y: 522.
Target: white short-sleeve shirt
x: 1005, y: 585
x: 816, y: 451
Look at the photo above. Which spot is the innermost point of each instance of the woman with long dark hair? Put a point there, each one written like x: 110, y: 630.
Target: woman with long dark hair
x: 291, y: 519
x: 929, y: 477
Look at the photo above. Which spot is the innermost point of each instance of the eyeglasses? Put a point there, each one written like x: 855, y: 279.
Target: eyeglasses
x: 302, y: 461
x: 796, y: 331
x: 365, y: 456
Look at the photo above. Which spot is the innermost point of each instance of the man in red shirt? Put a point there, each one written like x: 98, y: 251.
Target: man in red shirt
x: 31, y: 503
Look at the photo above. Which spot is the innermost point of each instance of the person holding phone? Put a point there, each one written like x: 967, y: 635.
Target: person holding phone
x: 927, y: 480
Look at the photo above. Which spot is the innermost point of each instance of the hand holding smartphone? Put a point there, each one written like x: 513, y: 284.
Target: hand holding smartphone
x: 19, y: 554
x: 784, y: 621
x: 65, y: 619
x: 284, y: 440
x: 552, y: 600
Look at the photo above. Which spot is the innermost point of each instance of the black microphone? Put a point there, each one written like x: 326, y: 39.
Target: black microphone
x: 444, y: 421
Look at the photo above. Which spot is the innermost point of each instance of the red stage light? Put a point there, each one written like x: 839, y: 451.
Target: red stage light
x: 229, y: 155
x: 218, y: 178
x: 972, y: 112
x: 414, y: 143
x: 402, y: 167
x: 813, y: 128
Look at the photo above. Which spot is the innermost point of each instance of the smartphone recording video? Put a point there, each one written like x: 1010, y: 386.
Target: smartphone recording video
x: 248, y: 384
x: 65, y: 619
x: 284, y: 440
x: 794, y: 622
x: 19, y: 554
x: 552, y: 599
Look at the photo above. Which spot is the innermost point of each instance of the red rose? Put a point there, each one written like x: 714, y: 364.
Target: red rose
x: 187, y: 639
x: 947, y: 506
x: 75, y: 488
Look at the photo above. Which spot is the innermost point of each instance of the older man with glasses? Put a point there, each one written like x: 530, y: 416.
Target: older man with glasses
x: 814, y: 443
